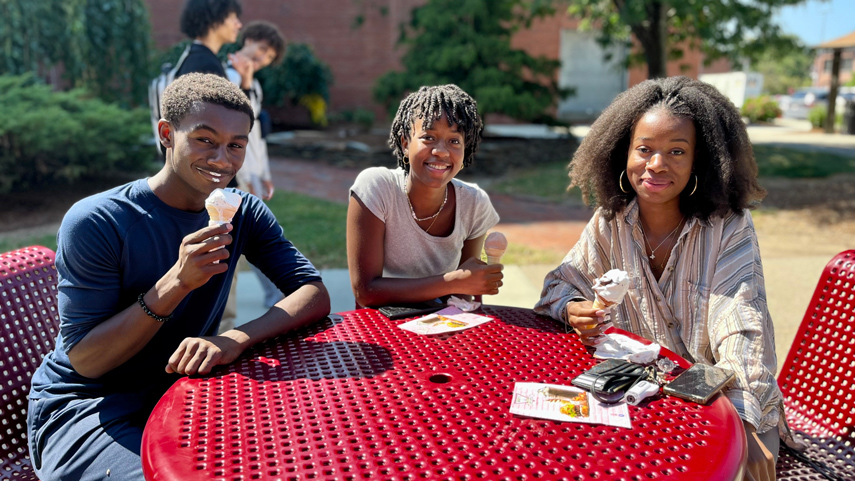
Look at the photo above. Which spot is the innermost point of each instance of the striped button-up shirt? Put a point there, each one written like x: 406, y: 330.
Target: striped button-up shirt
x: 708, y: 306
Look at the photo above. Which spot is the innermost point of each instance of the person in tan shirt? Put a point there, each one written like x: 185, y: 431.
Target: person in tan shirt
x: 672, y: 170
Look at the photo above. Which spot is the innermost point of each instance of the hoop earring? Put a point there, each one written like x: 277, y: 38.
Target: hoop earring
x: 404, y: 158
x: 620, y: 182
x: 696, y: 185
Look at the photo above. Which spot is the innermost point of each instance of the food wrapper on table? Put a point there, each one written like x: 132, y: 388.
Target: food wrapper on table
x: 450, y: 319
x: 566, y: 403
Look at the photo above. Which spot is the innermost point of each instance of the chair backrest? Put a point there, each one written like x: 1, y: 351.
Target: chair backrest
x: 818, y: 377
x: 29, y: 323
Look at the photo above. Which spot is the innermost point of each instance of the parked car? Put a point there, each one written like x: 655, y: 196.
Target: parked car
x: 797, y: 105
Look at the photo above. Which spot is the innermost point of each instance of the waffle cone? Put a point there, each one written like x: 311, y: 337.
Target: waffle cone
x: 600, y: 303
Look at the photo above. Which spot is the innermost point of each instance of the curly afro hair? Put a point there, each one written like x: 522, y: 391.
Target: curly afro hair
x: 200, y: 16
x: 429, y: 104
x: 724, y: 160
x: 187, y: 90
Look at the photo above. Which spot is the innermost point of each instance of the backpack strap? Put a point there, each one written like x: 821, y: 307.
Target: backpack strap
x: 171, y: 75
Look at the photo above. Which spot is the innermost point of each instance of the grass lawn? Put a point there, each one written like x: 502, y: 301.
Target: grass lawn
x: 777, y: 161
x: 9, y: 243
x: 316, y: 227
x: 548, y: 181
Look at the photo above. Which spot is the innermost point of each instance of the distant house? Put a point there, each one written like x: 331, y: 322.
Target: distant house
x: 359, y: 55
x: 822, y: 61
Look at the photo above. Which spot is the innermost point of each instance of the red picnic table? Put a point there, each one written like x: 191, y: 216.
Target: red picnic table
x: 355, y: 397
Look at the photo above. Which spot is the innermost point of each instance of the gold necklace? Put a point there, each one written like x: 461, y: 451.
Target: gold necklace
x: 413, y: 211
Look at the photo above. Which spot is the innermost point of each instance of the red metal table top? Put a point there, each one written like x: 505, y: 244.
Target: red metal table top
x: 354, y: 397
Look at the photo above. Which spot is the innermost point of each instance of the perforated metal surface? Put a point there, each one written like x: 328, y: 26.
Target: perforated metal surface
x: 29, y: 322
x: 353, y: 399
x: 818, y: 377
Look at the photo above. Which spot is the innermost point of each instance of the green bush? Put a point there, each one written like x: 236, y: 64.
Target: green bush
x: 100, y: 45
x: 468, y: 44
x: 359, y: 116
x: 817, y: 115
x: 300, y: 79
x: 760, y: 109
x: 48, y: 136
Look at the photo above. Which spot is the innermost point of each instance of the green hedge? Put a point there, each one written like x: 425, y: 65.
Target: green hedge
x: 48, y: 136
x: 760, y: 109
x: 817, y: 116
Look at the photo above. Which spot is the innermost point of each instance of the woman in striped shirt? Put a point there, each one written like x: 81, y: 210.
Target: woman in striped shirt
x: 672, y: 171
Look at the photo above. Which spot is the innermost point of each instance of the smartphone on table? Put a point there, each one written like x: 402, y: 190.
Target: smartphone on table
x: 403, y: 311
x: 699, y: 383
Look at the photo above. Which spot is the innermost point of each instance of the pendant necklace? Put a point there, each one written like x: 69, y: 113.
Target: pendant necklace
x: 652, y: 250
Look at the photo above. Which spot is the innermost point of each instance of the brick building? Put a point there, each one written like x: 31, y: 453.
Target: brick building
x: 823, y: 59
x: 359, y: 55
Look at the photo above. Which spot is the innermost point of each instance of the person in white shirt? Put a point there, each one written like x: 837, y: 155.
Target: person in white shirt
x: 262, y: 45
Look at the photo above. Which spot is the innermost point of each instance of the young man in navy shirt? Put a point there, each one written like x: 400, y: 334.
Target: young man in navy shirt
x: 142, y: 284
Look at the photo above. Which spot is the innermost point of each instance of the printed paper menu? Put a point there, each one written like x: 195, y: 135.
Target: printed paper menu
x: 450, y: 319
x: 566, y: 403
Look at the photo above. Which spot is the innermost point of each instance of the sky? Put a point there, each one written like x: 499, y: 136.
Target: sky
x: 818, y: 21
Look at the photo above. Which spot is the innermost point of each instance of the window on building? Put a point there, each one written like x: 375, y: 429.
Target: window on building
x: 845, y: 65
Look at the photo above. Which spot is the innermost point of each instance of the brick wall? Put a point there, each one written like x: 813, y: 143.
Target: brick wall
x: 357, y: 56
x: 822, y: 67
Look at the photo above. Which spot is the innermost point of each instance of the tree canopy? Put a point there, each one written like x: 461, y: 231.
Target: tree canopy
x: 468, y: 43
x: 101, y: 45
x: 737, y: 29
x: 785, y: 68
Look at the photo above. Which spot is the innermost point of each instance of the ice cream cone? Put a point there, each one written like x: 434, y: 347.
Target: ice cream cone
x: 220, y: 215
x: 600, y: 303
x: 222, y: 207
x: 495, y: 246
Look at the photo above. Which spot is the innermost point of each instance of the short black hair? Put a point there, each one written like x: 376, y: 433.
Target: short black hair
x: 431, y: 103
x: 187, y: 90
x: 723, y: 162
x: 261, y: 31
x: 200, y: 16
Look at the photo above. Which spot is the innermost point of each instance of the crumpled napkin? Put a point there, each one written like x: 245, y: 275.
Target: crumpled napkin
x: 463, y: 305
x: 618, y: 346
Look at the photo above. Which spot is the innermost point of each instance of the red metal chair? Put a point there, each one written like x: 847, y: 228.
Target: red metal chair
x: 29, y: 323
x: 818, y: 380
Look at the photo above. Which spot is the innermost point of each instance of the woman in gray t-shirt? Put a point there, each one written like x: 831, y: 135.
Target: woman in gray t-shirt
x: 416, y: 233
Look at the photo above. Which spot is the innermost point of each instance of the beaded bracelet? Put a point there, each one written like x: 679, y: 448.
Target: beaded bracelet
x: 148, y: 311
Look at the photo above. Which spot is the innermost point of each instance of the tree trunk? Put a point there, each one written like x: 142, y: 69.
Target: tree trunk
x: 832, y: 93
x: 652, y: 34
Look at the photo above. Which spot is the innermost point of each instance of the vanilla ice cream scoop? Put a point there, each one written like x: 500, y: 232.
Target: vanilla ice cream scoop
x: 222, y: 206
x: 494, y: 247
x: 610, y: 288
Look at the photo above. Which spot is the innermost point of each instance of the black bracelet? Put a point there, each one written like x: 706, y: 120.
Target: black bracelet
x: 148, y: 311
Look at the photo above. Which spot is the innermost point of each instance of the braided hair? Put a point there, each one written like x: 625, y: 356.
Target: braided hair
x: 429, y: 104
x: 723, y: 162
